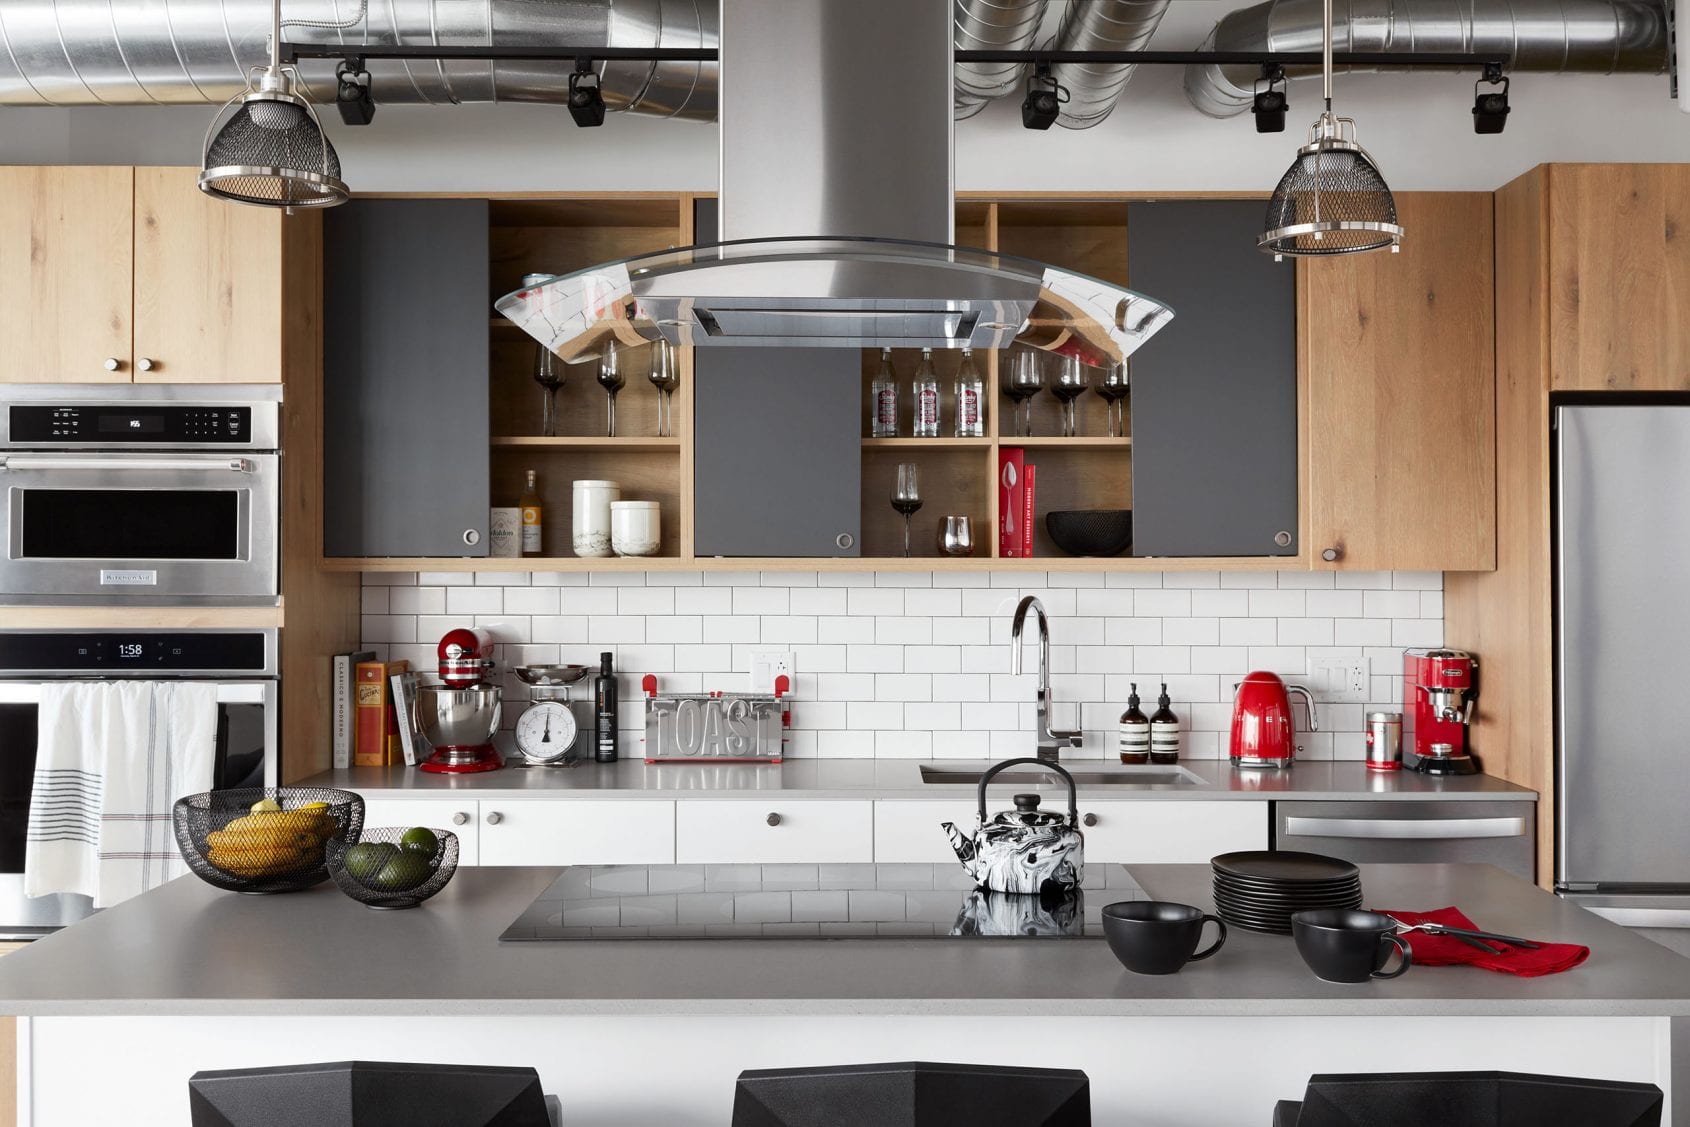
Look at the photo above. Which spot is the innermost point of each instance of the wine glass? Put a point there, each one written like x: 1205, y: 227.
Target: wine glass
x: 548, y: 373
x: 665, y: 376
x: 612, y: 380
x: 1113, y: 390
x: 1026, y: 377
x: 1071, y: 383
x: 906, y: 497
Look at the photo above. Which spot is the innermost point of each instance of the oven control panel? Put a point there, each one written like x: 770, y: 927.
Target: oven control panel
x: 96, y: 424
x: 141, y: 651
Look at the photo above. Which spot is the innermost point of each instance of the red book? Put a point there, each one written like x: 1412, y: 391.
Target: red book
x: 1030, y: 475
x: 376, y: 727
x: 1011, y: 462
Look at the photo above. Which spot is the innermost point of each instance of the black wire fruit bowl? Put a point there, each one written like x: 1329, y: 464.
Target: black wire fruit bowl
x: 264, y: 839
x: 394, y: 867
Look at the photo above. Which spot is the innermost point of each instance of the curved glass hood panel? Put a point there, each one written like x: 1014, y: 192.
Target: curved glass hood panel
x: 834, y: 293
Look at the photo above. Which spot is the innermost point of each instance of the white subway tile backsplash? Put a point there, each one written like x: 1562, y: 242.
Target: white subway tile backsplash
x: 912, y: 664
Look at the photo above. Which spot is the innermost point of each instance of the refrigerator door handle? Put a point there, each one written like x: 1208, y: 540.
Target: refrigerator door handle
x: 1644, y: 917
x: 1405, y: 829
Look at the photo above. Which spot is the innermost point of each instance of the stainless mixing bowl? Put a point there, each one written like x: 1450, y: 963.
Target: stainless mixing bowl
x: 457, y: 717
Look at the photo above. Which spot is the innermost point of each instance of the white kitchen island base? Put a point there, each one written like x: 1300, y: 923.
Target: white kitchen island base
x: 642, y: 1071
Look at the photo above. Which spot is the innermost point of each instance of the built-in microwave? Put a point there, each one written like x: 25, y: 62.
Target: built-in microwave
x: 144, y: 495
x: 241, y: 664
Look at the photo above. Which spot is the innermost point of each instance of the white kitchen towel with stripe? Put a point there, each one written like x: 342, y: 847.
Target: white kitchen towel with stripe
x: 111, y: 759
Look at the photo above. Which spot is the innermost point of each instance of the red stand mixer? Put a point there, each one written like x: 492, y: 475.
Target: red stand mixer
x: 1438, y: 691
x: 459, y: 715
x: 1263, y: 732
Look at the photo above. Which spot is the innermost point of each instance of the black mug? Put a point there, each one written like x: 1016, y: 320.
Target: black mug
x: 1153, y: 937
x: 1348, y: 945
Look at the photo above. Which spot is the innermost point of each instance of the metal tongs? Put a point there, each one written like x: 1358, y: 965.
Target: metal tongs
x: 1470, y: 937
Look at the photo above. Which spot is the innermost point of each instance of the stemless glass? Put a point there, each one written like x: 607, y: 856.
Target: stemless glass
x: 665, y: 376
x: 1026, y: 377
x: 1113, y: 390
x: 612, y: 380
x: 1071, y: 383
x: 906, y: 497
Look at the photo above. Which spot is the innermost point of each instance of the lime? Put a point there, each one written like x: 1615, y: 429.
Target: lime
x: 403, y: 872
x: 364, y: 861
x: 266, y: 806
x: 420, y: 840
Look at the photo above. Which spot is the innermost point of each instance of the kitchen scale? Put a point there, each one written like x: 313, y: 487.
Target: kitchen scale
x: 547, y: 729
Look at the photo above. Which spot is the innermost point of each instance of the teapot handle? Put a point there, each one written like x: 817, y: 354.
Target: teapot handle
x: 1073, y: 794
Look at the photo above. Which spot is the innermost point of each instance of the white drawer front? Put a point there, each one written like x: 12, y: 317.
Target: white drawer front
x: 560, y: 832
x: 1146, y: 833
x: 727, y: 833
x: 436, y: 813
x: 909, y: 831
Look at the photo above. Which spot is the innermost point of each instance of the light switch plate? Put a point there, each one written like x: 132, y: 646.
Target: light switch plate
x: 1339, y: 680
x: 766, y: 665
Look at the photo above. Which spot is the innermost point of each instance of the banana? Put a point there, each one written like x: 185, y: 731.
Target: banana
x: 243, y: 841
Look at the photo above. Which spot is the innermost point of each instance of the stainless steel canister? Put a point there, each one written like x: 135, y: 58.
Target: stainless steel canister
x: 1384, y: 741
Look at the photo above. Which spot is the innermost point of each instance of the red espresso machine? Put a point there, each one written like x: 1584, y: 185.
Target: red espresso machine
x: 1439, y: 688
x: 459, y: 715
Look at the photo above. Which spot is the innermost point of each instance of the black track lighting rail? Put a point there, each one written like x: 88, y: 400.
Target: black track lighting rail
x: 1391, y: 60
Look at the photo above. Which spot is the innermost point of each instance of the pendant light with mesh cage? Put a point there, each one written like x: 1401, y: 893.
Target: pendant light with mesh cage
x: 271, y: 151
x: 1332, y: 200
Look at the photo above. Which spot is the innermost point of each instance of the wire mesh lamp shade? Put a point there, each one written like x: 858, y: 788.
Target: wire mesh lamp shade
x: 272, y: 152
x: 1332, y: 200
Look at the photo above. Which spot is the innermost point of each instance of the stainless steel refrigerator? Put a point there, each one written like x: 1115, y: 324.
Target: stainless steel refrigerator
x: 1622, y: 604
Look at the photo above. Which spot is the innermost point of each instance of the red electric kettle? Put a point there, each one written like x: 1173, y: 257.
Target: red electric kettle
x: 1263, y: 734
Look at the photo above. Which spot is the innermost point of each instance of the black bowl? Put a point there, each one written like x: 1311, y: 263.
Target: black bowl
x: 1091, y: 532
x: 230, y: 847
x: 442, y: 863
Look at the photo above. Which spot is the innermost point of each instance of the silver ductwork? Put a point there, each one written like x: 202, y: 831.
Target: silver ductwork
x: 1101, y: 25
x: 1547, y: 36
x: 992, y: 25
x: 97, y: 52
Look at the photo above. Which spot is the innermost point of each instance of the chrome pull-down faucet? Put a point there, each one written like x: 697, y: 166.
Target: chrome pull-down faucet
x: 1051, y: 741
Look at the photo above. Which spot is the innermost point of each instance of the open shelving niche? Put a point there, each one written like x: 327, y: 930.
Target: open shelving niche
x: 959, y: 475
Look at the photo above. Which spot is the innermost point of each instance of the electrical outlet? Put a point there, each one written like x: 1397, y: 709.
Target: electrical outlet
x: 1340, y: 680
x: 766, y: 665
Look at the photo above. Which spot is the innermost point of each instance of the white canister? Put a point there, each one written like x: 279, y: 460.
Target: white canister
x: 590, y: 524
x: 636, y: 527
x: 503, y: 531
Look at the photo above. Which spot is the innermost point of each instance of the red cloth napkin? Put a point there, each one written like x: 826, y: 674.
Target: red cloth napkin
x: 1448, y: 951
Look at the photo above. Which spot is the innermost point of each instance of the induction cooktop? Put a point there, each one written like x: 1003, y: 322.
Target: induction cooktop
x: 910, y: 901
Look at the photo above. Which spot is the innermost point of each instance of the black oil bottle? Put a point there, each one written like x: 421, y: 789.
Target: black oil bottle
x: 604, y: 712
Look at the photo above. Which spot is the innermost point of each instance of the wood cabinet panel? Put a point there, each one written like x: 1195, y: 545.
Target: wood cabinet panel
x: 208, y: 284
x: 1399, y: 349
x: 1619, y: 277
x: 66, y: 292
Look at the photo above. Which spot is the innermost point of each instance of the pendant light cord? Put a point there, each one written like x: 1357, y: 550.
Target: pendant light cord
x: 1326, y: 52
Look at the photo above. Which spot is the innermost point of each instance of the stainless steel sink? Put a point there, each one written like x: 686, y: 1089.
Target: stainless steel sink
x: 1116, y: 777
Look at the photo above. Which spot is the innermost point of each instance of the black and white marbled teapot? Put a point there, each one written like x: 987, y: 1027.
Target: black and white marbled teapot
x: 1024, y: 850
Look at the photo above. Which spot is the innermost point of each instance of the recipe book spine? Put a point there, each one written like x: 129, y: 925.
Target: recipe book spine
x: 1030, y: 478
x: 376, y: 741
x: 404, y: 706
x: 343, y: 667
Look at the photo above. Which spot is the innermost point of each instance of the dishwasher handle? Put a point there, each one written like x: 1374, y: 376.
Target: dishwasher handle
x: 1642, y: 917
x: 1405, y: 829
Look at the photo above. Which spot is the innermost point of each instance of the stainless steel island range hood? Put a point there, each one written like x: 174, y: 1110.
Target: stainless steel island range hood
x: 837, y: 213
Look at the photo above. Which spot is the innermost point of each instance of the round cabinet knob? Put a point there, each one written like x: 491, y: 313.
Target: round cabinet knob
x: 495, y: 818
x: 1090, y: 819
x: 112, y: 364
x: 844, y: 540
x: 472, y: 536
x: 460, y: 818
x: 773, y: 819
x: 145, y: 363
x: 1332, y: 555
x: 1282, y: 538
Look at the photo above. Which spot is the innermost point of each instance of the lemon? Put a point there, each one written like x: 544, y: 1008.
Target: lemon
x: 266, y: 806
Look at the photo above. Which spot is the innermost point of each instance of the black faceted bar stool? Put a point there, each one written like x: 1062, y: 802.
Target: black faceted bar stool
x: 913, y: 1094
x: 1469, y: 1099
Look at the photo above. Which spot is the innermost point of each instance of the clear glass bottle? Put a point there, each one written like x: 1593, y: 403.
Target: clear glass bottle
x: 970, y: 399
x: 926, y: 398
x: 1164, y: 732
x: 532, y: 523
x: 1135, y: 731
x: 883, y: 396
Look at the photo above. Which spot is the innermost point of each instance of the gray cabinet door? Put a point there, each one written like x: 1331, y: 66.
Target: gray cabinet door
x: 777, y: 446
x: 1214, y: 395
x: 405, y: 378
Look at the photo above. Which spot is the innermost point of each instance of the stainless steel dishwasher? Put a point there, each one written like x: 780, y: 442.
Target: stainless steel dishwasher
x: 1495, y: 833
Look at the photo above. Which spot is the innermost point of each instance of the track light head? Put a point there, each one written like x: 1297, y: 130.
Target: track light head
x: 586, y: 101
x: 1490, y: 107
x: 352, y: 93
x: 1043, y: 104
x: 1270, y: 102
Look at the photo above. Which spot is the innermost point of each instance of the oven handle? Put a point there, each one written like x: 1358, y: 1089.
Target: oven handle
x: 26, y: 462
x: 228, y: 692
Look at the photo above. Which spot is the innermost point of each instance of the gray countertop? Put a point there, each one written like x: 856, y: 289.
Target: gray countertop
x: 187, y: 949
x: 900, y: 779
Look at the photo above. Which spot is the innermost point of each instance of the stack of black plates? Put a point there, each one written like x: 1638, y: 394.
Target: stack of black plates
x: 1259, y: 890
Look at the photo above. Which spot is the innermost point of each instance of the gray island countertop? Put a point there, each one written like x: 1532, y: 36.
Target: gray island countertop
x: 901, y: 779
x: 187, y: 949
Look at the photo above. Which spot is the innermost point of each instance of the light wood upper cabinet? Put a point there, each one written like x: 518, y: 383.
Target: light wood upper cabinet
x: 1619, y: 277
x: 66, y: 256
x: 208, y: 284
x: 1400, y: 361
